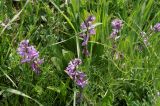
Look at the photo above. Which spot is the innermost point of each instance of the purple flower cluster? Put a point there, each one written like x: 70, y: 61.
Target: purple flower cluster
x: 29, y: 55
x: 156, y: 27
x: 88, y: 30
x: 116, y: 27
x: 77, y: 76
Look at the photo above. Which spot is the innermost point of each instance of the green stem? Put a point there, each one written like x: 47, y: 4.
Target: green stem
x: 78, y: 54
x: 78, y: 49
x: 74, y: 101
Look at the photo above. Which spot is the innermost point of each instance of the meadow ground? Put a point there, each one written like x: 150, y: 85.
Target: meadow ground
x: 79, y: 52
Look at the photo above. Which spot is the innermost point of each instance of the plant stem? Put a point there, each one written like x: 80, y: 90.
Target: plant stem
x: 74, y: 101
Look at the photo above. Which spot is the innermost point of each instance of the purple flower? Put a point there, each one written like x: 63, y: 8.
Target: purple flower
x: 77, y: 61
x: 117, y: 24
x: 91, y: 18
x: 88, y: 30
x: 87, y: 26
x: 80, y: 79
x: 70, y: 70
x: 85, y: 40
x: 23, y: 47
x: 29, y: 55
x: 114, y: 34
x: 156, y: 27
x: 35, y: 65
x: 77, y: 76
x: 27, y: 52
x: 92, y: 31
x: 83, y: 26
x: 32, y: 52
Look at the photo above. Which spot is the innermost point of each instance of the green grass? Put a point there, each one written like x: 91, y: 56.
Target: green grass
x: 53, y: 27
